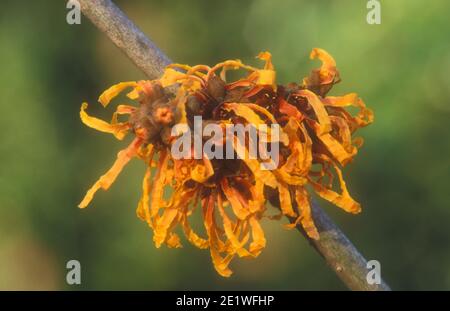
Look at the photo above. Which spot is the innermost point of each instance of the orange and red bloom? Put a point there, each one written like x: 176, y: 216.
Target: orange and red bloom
x: 316, y: 141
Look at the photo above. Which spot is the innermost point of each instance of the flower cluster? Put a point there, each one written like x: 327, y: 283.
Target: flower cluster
x: 316, y: 141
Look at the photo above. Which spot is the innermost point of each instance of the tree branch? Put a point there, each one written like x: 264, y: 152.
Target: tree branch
x: 126, y: 36
x: 333, y: 246
x: 340, y: 253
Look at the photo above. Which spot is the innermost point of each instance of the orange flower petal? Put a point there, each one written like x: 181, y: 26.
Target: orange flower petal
x: 238, y: 246
x: 143, y: 211
x: 285, y: 200
x: 105, y: 181
x: 156, y: 198
x: 319, y: 109
x: 230, y: 193
x: 305, y: 217
x: 162, y: 226
x: 119, y: 130
x: 259, y: 241
x: 343, y: 200
x: 115, y: 90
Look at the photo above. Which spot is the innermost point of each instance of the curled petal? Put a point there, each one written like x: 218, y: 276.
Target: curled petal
x: 159, y: 181
x: 143, y: 211
x: 343, y: 134
x: 228, y: 65
x: 350, y: 99
x: 125, y: 109
x: 229, y: 227
x: 259, y: 241
x: 232, y: 196
x: 163, y: 224
x: 247, y: 111
x: 119, y: 130
x: 328, y: 68
x: 290, y: 110
x: 197, y: 70
x: 321, y: 80
x: 115, y: 90
x: 365, y: 115
x: 192, y: 236
x: 172, y: 76
x: 266, y: 56
x: 105, y: 181
x: 305, y: 217
x: 258, y: 200
x: 343, y: 200
x: 267, y: 75
x: 262, y: 111
x: 202, y: 172
x: 319, y: 109
x: 327, y: 72
x: 335, y: 148
x: 300, y: 159
x: 253, y: 164
x: 173, y: 240
x: 285, y: 200
x: 220, y: 264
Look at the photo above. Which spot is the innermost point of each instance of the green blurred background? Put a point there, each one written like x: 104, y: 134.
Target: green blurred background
x: 48, y: 159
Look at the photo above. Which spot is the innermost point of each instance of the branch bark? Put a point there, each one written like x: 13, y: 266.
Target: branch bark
x: 340, y: 253
x: 126, y: 36
x: 337, y: 250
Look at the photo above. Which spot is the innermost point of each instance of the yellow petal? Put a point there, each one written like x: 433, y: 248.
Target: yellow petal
x: 238, y: 246
x: 156, y: 198
x: 259, y: 241
x: 173, y: 241
x: 319, y: 109
x: 365, y: 115
x: 300, y: 160
x: 328, y: 68
x: 266, y: 176
x: 335, y: 148
x: 193, y: 237
x: 343, y: 200
x: 321, y: 80
x: 258, y: 199
x: 230, y: 193
x: 305, y: 217
x: 228, y: 65
x: 143, y: 211
x: 162, y: 226
x: 119, y: 130
x: 171, y: 76
x: 202, y: 172
x: 285, y: 200
x: 105, y: 181
x: 350, y: 99
x: 266, y: 56
x: 220, y: 264
x: 115, y: 90
x: 266, y: 77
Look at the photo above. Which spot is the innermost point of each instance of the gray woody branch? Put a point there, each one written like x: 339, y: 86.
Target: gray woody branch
x: 337, y: 250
